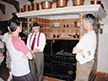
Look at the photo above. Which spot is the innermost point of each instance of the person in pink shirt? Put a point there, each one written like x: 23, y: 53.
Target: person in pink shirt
x: 17, y: 49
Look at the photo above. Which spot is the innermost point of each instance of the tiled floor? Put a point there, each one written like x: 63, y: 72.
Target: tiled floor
x: 4, y: 74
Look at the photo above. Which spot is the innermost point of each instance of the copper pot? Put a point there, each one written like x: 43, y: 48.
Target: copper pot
x: 34, y: 6
x: 20, y: 10
x: 46, y: 4
x: 95, y: 2
x: 78, y: 2
x: 76, y: 23
x: 61, y: 3
x: 26, y: 8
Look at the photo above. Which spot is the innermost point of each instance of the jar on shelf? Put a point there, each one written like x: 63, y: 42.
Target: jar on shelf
x: 78, y: 2
x: 26, y: 8
x: 95, y: 2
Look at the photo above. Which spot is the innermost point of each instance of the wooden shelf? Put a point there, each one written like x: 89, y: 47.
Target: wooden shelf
x: 61, y: 27
x: 95, y: 9
x: 66, y: 38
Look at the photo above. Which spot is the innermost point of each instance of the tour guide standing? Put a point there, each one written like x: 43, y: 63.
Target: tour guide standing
x: 36, y: 42
x: 85, y: 49
x: 17, y: 49
x: 8, y: 58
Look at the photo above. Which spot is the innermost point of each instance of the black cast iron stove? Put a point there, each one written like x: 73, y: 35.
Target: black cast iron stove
x: 64, y: 56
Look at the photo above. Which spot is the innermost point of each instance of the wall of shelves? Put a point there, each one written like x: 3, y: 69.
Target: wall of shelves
x: 67, y: 30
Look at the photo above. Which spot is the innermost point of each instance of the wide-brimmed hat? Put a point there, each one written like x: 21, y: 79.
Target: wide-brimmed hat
x: 36, y: 24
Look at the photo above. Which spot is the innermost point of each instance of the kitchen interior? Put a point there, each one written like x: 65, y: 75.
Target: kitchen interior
x: 61, y: 22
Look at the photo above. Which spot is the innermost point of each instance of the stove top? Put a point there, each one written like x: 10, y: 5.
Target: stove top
x: 64, y: 56
x: 64, y: 53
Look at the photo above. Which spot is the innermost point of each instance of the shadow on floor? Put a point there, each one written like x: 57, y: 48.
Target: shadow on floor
x: 4, y: 71
x: 4, y: 74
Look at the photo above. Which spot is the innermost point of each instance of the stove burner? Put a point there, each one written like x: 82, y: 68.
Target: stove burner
x: 66, y: 53
x: 64, y: 56
x: 63, y: 53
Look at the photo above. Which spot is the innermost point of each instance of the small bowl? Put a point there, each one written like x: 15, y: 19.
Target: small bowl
x: 46, y: 4
x: 34, y: 6
x: 78, y: 2
x: 95, y: 2
x: 76, y: 23
x: 20, y: 10
x: 26, y: 8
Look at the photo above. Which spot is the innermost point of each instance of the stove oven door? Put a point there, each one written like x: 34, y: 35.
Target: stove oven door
x: 47, y: 69
x: 64, y: 70
x: 48, y: 47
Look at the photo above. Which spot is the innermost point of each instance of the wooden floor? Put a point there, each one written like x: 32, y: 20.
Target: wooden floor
x: 4, y: 74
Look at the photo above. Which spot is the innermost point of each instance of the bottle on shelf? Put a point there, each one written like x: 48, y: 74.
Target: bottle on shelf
x: 76, y: 35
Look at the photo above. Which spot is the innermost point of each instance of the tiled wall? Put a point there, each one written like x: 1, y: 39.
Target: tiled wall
x: 66, y: 27
x: 42, y: 22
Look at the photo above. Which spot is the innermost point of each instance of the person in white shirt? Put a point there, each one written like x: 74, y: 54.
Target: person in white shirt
x: 1, y: 43
x: 8, y: 59
x: 85, y: 49
x: 1, y: 60
x: 38, y: 45
x: 2, y: 50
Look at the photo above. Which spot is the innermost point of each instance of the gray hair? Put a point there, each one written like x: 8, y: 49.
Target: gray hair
x: 89, y: 18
